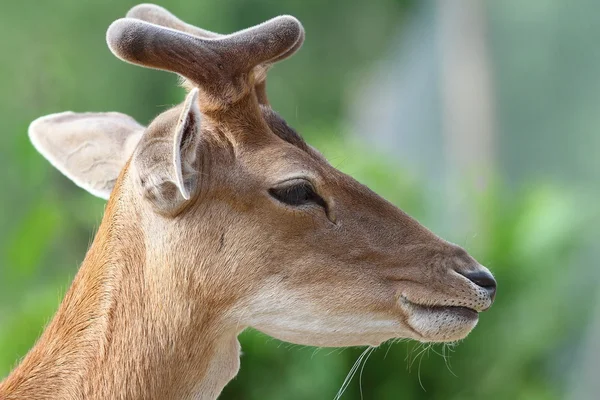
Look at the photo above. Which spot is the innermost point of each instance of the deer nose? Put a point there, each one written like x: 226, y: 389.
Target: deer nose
x: 483, y: 279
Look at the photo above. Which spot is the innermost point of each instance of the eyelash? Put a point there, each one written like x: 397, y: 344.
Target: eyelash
x: 297, y: 194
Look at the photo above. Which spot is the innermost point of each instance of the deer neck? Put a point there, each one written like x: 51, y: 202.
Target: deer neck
x: 121, y: 333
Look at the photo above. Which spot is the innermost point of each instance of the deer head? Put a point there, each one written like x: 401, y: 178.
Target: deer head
x: 236, y: 213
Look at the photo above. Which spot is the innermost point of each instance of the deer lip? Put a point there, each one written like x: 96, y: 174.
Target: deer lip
x: 462, y: 311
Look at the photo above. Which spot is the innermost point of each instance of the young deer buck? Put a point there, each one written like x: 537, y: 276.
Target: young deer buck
x: 220, y: 217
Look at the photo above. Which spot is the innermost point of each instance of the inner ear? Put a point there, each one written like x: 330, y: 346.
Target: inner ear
x: 184, y: 144
x: 166, y: 160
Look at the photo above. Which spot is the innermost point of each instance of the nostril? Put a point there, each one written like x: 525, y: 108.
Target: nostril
x: 483, y: 279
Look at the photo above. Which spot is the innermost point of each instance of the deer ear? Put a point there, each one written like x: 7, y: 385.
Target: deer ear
x: 91, y: 149
x: 166, y: 162
x: 185, y: 141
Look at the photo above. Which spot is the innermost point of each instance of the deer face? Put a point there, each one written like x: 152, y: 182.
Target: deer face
x: 349, y: 268
x: 231, y: 201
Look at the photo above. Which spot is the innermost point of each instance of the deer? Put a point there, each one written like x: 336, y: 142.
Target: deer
x: 220, y: 217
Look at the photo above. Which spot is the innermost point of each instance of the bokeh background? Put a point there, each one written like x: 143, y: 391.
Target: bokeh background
x: 480, y: 118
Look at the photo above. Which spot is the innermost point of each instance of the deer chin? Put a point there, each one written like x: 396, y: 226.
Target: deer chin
x: 326, y: 340
x: 439, y: 323
x: 335, y: 330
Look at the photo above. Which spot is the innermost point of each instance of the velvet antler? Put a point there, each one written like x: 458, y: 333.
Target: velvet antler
x: 223, y: 67
x: 160, y: 16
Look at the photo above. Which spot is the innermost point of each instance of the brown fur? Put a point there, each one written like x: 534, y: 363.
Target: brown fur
x: 168, y: 282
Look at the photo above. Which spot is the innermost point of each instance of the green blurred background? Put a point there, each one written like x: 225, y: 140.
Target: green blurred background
x: 479, y: 118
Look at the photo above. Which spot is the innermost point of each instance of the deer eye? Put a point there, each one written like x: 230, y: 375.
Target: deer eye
x: 297, y: 193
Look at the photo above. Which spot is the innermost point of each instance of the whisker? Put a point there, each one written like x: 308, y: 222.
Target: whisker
x: 423, y: 350
x: 419, y: 368
x: 315, y: 351
x: 447, y: 359
x: 361, y: 371
x: 409, y: 355
x: 388, y: 350
x: 351, y: 374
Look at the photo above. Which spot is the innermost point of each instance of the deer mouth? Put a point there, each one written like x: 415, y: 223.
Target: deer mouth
x: 437, y: 323
x: 459, y: 311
